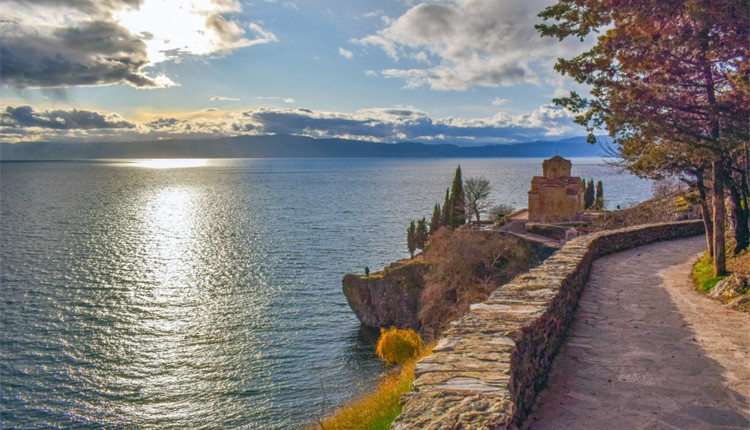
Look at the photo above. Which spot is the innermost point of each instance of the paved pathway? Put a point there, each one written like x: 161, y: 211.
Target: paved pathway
x: 647, y: 352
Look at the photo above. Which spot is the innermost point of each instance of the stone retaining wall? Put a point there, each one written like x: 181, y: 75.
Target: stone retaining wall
x: 487, y: 369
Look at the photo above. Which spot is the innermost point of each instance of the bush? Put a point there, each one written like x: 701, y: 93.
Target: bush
x: 396, y: 346
x: 499, y: 213
x: 464, y: 268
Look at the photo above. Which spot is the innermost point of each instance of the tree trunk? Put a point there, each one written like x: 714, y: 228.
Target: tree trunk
x: 739, y: 219
x: 705, y: 213
x: 720, y: 263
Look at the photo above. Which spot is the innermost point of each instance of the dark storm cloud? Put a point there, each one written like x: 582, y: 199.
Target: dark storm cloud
x: 25, y: 117
x: 94, y: 53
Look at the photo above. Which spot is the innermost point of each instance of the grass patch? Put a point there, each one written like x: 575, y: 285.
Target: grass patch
x: 703, y: 274
x: 378, y: 409
x: 418, y: 259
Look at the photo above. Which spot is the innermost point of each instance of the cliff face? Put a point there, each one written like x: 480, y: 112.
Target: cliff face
x: 388, y: 298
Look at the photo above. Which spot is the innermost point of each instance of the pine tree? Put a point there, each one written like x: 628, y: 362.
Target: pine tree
x: 599, y: 205
x: 589, y: 196
x: 420, y: 234
x: 436, y: 219
x: 446, y: 216
x: 411, y: 238
x: 458, y: 205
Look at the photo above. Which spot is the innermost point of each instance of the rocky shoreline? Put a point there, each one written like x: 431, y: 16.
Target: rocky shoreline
x: 393, y: 296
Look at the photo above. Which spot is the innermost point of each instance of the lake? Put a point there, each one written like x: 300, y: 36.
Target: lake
x: 208, y: 294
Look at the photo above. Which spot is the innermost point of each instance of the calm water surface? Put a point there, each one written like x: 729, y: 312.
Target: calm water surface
x: 208, y: 296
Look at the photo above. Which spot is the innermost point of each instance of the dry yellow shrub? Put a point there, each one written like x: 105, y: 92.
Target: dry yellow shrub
x: 397, y: 346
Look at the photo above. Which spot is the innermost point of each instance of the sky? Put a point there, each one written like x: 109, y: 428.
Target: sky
x: 467, y: 72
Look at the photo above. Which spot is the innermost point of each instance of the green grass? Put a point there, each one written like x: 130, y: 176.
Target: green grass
x: 703, y: 275
x: 377, y: 409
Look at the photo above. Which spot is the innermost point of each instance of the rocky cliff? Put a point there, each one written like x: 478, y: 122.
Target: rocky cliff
x: 390, y: 297
x: 393, y: 297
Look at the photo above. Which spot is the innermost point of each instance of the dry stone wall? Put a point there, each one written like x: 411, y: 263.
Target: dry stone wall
x: 486, y: 371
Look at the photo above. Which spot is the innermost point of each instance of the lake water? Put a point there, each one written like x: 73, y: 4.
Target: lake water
x: 208, y: 296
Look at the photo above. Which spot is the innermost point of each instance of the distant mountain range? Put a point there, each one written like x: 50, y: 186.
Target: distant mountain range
x: 284, y: 146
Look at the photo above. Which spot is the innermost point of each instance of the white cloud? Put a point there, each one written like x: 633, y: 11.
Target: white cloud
x: 371, y: 73
x: 275, y: 98
x: 193, y: 27
x: 498, y: 101
x: 223, y: 99
x: 475, y: 43
x: 346, y: 53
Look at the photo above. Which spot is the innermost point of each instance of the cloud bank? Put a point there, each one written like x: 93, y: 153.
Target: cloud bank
x: 27, y: 117
x: 463, y: 44
x: 386, y: 125
x: 63, y: 43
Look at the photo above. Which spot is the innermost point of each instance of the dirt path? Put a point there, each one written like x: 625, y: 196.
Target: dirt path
x: 647, y: 352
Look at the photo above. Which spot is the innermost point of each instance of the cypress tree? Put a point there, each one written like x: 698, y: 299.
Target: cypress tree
x: 411, y: 238
x: 589, y: 196
x: 599, y: 196
x: 446, y: 216
x: 436, y: 218
x: 420, y: 234
x: 457, y: 199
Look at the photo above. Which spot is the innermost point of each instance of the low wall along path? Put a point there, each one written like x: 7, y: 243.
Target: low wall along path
x: 645, y: 351
x: 487, y: 370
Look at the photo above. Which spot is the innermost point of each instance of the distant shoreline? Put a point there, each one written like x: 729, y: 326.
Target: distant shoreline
x: 120, y: 160
x: 281, y: 146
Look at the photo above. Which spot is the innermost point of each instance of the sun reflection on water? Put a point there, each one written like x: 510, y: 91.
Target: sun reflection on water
x: 170, y: 163
x: 169, y: 229
x: 168, y: 355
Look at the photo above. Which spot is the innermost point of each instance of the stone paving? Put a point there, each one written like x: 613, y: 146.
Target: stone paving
x: 645, y: 351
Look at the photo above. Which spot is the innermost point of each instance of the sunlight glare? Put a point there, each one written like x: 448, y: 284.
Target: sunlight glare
x: 173, y: 26
x: 170, y: 163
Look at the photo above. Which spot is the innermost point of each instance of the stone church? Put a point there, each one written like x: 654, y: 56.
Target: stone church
x: 555, y: 196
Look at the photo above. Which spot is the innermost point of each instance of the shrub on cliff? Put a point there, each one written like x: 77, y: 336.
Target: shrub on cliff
x: 397, y: 346
x: 465, y: 267
x: 499, y: 213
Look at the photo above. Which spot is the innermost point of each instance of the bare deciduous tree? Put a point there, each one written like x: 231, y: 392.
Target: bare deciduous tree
x: 477, y: 193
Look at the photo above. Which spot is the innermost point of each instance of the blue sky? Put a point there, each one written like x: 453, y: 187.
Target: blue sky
x: 461, y: 71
